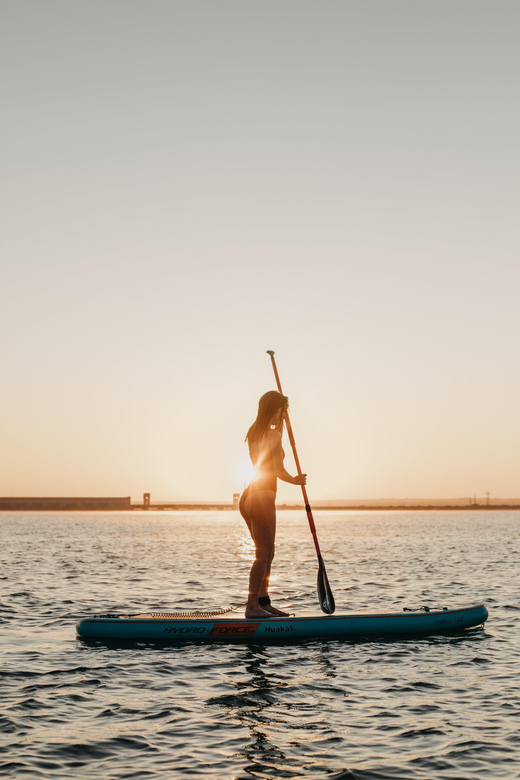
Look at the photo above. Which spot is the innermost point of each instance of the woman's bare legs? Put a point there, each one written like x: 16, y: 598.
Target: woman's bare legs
x: 260, y: 515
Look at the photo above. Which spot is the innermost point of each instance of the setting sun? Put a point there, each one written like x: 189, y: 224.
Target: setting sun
x: 243, y: 472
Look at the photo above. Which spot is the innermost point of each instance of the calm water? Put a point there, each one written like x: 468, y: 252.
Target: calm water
x: 441, y: 707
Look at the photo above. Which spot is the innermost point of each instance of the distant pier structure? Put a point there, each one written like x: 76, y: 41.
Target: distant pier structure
x: 60, y: 504
x: 124, y: 504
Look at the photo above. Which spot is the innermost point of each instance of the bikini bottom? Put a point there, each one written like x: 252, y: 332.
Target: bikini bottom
x: 250, y: 489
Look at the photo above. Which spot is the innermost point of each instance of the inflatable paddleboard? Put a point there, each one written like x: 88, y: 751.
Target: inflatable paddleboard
x: 166, y: 627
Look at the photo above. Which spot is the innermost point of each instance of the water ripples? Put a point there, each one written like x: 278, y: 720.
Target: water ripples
x: 443, y: 706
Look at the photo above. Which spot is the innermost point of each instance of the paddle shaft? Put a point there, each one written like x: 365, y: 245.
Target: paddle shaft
x: 296, y: 460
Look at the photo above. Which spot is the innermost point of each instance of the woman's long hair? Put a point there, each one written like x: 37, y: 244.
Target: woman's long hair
x: 268, y: 405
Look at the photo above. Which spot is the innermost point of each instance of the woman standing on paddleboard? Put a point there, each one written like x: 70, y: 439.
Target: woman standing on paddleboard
x: 257, y: 503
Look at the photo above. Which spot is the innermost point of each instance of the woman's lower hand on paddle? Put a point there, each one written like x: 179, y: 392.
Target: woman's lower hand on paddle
x: 300, y: 479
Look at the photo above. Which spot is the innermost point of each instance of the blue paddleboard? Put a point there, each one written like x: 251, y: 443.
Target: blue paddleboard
x: 165, y: 628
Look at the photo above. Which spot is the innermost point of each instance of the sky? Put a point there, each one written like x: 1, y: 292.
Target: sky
x: 188, y: 183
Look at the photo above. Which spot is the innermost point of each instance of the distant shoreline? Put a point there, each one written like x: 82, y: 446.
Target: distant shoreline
x: 73, y: 504
x: 342, y: 508
x: 282, y: 508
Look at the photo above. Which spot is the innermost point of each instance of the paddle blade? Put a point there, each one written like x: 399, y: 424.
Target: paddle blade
x: 324, y: 592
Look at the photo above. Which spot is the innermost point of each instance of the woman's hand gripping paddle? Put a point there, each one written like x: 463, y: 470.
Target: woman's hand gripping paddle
x: 324, y: 592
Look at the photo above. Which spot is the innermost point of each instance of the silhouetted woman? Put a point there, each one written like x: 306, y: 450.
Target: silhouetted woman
x: 257, y: 503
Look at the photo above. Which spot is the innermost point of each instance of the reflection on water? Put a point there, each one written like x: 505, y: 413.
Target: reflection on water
x: 444, y: 707
x: 250, y: 706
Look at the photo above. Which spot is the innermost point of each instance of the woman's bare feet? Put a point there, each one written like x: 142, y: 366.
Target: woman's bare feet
x: 275, y: 611
x: 257, y: 612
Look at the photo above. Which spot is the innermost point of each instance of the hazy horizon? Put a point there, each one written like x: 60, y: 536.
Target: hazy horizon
x: 189, y: 184
x: 316, y: 501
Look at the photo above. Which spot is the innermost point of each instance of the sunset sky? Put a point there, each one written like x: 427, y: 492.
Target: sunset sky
x: 188, y: 184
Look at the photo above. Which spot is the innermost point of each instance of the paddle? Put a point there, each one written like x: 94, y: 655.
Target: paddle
x: 324, y: 592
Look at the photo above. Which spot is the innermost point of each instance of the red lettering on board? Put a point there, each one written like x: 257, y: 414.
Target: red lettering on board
x: 233, y: 629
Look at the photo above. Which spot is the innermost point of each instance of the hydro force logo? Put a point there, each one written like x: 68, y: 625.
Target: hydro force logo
x: 218, y: 629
